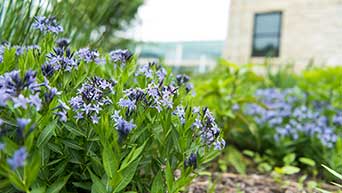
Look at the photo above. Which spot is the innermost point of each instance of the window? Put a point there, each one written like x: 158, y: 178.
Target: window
x: 266, y: 35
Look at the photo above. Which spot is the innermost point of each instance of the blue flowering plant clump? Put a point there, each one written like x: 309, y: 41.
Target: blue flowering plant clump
x: 84, y: 121
x: 292, y: 123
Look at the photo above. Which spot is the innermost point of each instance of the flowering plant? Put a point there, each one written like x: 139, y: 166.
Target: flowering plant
x: 82, y: 121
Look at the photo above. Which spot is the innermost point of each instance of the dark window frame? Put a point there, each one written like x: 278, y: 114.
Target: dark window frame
x: 277, y: 35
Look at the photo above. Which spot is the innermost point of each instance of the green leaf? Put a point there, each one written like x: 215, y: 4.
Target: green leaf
x: 15, y: 181
x: 72, y: 144
x: 333, y: 172
x: 132, y: 156
x: 183, y: 182
x: 39, y: 190
x: 46, y: 134
x: 75, y: 131
x: 249, y: 153
x: 289, y: 158
x: 31, y: 170
x: 323, y: 191
x: 158, y: 183
x: 98, y: 186
x: 169, y: 177
x: 128, y: 175
x: 307, y: 161
x: 58, y: 185
x: 289, y: 170
x: 110, y: 163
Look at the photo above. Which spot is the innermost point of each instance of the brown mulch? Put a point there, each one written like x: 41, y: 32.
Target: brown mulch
x: 235, y: 183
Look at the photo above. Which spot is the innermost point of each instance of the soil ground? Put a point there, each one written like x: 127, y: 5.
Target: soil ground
x: 235, y: 183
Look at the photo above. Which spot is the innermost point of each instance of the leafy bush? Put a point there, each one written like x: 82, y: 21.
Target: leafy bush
x: 83, y: 121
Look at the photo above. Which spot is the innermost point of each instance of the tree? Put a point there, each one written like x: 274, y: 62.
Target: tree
x: 86, y: 22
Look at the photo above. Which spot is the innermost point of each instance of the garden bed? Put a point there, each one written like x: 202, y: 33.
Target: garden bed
x: 235, y: 183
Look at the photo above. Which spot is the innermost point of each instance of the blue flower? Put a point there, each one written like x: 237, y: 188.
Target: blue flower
x: 219, y: 144
x: 130, y: 105
x: 122, y: 126
x: 121, y: 56
x: 63, y: 43
x: 18, y: 159
x: 337, y: 119
x: 182, y: 79
x: 22, y: 123
x: 95, y: 119
x: 47, y: 24
x: 191, y: 161
x: 48, y: 69
x: 35, y: 101
x: 4, y: 97
x: 20, y: 101
x: 180, y: 113
x: 88, y: 55
x: 50, y: 94
x: 2, y: 146
x: 146, y: 70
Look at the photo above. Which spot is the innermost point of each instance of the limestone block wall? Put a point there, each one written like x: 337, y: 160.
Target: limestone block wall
x: 311, y: 31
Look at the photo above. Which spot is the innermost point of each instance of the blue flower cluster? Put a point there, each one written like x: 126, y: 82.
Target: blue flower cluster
x: 286, y: 114
x: 91, y: 97
x: 60, y: 59
x: 87, y: 55
x: 204, y: 123
x: 47, y: 24
x: 150, y: 70
x: 23, y: 93
x: 120, y: 56
x: 12, y: 85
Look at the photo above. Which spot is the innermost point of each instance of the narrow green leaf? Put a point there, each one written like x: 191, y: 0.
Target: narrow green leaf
x: 339, y: 176
x: 72, y: 144
x: 133, y: 155
x: 323, y: 191
x: 128, y: 175
x: 98, y: 186
x: 110, y: 163
x: 58, y: 185
x: 158, y: 183
x: 46, y: 134
x: 75, y: 131
x: 31, y: 170
x: 169, y: 177
x: 15, y: 181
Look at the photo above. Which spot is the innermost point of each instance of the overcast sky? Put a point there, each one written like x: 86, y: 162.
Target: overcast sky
x: 182, y: 20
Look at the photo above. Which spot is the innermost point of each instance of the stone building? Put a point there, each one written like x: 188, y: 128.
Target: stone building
x: 285, y: 31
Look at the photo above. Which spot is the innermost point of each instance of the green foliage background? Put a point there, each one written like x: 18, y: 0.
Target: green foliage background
x: 86, y: 22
